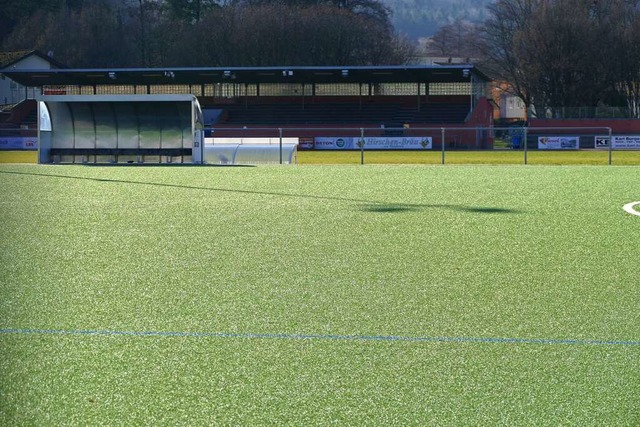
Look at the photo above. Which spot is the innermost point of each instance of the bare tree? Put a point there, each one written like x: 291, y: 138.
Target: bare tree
x: 624, y: 53
x: 505, y: 47
x: 458, y: 39
x: 555, y: 53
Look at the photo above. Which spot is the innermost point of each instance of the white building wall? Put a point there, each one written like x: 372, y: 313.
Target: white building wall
x: 512, y: 107
x: 13, y: 93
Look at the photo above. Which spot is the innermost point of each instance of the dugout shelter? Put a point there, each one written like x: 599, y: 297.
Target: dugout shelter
x: 119, y: 129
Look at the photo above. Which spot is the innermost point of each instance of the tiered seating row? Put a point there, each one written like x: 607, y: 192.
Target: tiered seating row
x: 389, y: 115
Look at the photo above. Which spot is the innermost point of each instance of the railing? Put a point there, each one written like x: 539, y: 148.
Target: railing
x: 596, y: 145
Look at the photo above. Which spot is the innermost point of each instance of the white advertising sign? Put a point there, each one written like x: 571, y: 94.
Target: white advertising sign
x: 619, y: 142
x: 374, y: 143
x: 18, y: 143
x: 627, y: 141
x: 558, y: 142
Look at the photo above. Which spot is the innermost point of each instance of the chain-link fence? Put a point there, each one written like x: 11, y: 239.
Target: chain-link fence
x: 438, y: 145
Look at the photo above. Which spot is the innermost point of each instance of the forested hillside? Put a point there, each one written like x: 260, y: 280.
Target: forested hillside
x: 421, y: 18
x: 160, y: 33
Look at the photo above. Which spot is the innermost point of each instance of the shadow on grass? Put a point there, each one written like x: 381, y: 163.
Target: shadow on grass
x: 379, y: 207
x: 365, y: 205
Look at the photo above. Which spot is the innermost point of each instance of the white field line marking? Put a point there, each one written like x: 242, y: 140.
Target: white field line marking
x: 629, y: 208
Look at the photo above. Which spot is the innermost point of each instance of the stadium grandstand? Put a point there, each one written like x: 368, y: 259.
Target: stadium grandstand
x: 306, y: 101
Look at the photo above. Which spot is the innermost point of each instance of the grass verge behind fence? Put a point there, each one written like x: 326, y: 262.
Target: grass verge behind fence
x: 497, y: 157
x: 18, y: 156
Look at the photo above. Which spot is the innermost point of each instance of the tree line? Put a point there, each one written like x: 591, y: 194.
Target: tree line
x: 159, y: 33
x: 552, y: 53
x: 565, y: 53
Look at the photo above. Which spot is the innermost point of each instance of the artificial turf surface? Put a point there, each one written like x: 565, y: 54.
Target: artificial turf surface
x: 313, y: 295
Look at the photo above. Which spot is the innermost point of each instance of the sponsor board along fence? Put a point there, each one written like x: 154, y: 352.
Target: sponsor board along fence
x: 18, y: 139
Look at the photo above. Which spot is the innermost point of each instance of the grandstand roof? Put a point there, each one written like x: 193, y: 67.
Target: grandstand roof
x: 160, y: 76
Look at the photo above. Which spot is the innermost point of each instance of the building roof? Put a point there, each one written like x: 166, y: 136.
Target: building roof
x: 7, y: 59
x: 250, y: 75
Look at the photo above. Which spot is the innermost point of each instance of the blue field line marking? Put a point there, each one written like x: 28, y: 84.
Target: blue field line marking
x: 495, y: 340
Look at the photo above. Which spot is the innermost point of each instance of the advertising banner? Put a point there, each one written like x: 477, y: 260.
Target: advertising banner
x: 630, y: 142
x: 602, y: 142
x: 558, y: 142
x: 627, y: 141
x: 18, y: 143
x: 305, y: 143
x: 374, y: 143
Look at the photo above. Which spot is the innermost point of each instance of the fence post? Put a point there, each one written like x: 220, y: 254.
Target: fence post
x: 524, y: 132
x: 442, y: 140
x: 280, y: 132
x: 610, y: 146
x: 362, y: 146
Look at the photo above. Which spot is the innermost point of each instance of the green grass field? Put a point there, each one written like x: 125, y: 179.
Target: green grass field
x: 315, y: 295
